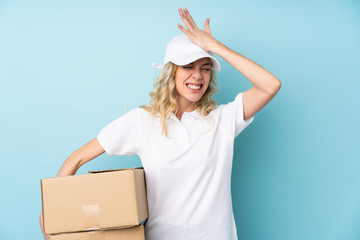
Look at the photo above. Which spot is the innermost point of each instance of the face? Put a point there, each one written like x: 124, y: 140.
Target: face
x: 192, y: 80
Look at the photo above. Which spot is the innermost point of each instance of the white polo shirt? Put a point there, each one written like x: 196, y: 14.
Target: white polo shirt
x: 188, y: 173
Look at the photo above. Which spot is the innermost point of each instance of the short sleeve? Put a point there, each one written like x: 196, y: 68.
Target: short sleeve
x: 120, y: 136
x: 232, y: 116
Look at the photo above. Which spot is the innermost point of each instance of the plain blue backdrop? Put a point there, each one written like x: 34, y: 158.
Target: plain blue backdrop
x: 68, y: 68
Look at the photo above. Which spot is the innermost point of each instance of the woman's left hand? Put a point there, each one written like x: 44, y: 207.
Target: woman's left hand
x: 202, y: 38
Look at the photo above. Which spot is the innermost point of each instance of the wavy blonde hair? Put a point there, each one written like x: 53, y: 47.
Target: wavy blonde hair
x: 163, y: 97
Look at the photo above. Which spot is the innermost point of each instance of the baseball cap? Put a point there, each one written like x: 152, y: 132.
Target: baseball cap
x: 181, y: 51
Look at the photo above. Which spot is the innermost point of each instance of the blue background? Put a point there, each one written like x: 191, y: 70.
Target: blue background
x: 68, y: 68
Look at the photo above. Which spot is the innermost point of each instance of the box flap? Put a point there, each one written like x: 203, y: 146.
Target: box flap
x: 113, y: 170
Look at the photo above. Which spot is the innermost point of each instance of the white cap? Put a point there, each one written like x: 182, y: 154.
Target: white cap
x: 181, y: 51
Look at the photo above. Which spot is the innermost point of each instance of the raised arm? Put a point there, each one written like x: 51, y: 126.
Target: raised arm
x: 265, y: 85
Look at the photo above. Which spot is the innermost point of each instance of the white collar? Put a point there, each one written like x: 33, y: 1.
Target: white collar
x: 195, y: 114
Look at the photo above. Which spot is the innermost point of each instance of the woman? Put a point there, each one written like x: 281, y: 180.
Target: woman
x: 184, y: 140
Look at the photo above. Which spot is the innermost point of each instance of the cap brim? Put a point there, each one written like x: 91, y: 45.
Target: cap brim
x: 187, y: 59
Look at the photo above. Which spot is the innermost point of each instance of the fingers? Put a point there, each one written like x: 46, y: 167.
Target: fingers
x: 184, y: 30
x: 187, y: 19
x: 46, y: 236
x: 207, y: 26
x: 202, y: 38
x: 190, y: 23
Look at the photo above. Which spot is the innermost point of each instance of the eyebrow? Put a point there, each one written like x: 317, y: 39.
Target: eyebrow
x: 205, y: 64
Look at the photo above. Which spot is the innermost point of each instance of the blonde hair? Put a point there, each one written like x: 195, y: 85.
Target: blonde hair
x: 163, y: 97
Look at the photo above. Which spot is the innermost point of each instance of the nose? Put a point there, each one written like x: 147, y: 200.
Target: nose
x: 197, y: 73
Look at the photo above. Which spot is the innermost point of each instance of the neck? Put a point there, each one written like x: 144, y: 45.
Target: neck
x: 184, y: 106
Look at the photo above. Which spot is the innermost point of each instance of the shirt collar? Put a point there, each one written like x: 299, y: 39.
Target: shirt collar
x: 194, y: 114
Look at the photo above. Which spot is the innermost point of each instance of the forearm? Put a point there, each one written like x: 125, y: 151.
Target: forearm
x: 257, y: 75
x: 81, y: 156
x: 71, y: 165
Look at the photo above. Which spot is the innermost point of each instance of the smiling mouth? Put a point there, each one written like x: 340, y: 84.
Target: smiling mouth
x: 194, y: 86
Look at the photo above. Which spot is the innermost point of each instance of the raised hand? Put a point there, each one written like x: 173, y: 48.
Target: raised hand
x: 202, y: 38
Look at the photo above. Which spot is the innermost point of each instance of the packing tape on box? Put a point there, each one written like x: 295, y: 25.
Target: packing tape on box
x: 97, y: 235
x: 91, y: 217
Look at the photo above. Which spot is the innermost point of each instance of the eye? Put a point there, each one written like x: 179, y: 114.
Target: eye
x: 187, y: 67
x: 206, y: 69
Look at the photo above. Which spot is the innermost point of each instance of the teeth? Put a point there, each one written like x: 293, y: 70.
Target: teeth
x: 192, y: 86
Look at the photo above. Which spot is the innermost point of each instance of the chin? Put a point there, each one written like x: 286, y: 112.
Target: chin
x: 194, y: 100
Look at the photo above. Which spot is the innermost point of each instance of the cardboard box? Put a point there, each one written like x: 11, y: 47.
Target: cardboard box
x: 110, y: 199
x: 133, y: 233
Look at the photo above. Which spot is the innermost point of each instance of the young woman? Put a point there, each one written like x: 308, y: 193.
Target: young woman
x: 185, y: 141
